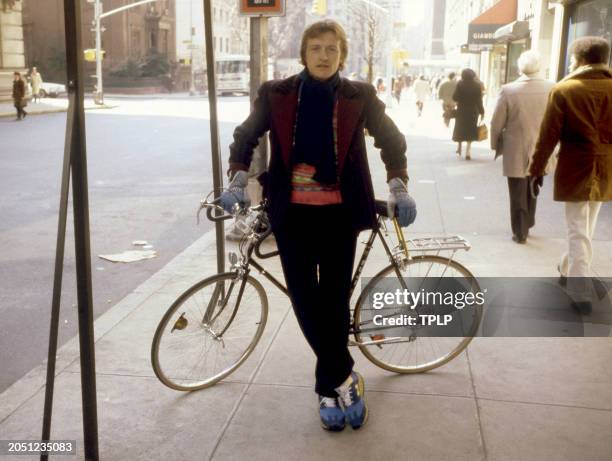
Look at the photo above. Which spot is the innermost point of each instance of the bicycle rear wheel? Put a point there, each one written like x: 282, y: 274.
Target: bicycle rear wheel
x: 209, y: 331
x: 418, y: 351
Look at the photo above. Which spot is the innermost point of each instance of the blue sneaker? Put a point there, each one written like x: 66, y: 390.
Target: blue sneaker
x: 351, y: 397
x: 332, y: 417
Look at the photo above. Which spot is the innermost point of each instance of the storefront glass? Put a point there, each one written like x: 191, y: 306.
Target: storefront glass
x: 514, y: 51
x: 591, y: 17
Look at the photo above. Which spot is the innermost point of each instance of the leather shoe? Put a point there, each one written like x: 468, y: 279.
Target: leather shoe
x: 518, y: 239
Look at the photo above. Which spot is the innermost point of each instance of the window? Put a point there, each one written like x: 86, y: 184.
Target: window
x: 593, y: 17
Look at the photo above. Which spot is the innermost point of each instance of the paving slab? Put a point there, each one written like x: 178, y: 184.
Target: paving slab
x: 518, y: 431
x: 138, y: 418
x: 557, y: 371
x: 291, y: 362
x: 399, y: 427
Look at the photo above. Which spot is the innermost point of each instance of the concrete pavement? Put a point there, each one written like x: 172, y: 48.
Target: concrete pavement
x: 48, y: 106
x: 503, y: 399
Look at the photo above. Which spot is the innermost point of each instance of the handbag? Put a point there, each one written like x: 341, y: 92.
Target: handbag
x: 483, y: 131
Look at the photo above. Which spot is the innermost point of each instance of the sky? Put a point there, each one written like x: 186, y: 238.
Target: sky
x: 414, y: 11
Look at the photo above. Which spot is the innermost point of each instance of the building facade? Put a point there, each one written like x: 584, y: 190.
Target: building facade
x: 129, y: 37
x: 12, y: 57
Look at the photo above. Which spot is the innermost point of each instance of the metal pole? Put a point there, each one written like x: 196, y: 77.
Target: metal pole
x: 80, y: 200
x: 192, y: 90
x: 99, y: 97
x: 57, y: 279
x: 214, y: 128
x: 259, y: 74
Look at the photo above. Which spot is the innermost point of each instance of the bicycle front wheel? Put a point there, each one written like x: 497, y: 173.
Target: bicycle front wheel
x: 415, y: 350
x: 209, y: 331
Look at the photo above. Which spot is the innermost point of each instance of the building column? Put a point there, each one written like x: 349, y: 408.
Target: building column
x: 12, y: 56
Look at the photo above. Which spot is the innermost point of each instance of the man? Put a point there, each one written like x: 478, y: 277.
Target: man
x: 579, y: 116
x: 320, y: 197
x: 19, y: 93
x: 445, y: 94
x: 514, y: 131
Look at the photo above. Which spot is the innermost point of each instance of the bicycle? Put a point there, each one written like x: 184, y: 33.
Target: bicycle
x: 213, y: 327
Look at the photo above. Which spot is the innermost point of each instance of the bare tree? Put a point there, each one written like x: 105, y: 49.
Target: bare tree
x: 374, y: 19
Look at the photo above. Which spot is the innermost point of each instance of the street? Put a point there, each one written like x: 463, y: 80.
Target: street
x: 149, y: 164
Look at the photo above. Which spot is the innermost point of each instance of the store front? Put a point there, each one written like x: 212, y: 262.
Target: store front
x: 584, y: 18
x: 517, y: 39
x: 493, y: 53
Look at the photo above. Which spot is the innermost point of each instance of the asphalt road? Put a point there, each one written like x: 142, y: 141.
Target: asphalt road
x: 149, y: 164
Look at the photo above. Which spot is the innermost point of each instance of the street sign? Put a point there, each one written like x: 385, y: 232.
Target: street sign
x: 262, y: 7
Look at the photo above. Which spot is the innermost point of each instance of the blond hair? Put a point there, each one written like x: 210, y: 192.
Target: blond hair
x: 319, y: 28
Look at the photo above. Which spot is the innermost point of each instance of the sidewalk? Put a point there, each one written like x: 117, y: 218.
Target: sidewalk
x: 48, y: 106
x: 504, y: 399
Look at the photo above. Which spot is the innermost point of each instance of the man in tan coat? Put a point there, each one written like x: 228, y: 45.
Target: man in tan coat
x: 579, y: 116
x: 514, y: 131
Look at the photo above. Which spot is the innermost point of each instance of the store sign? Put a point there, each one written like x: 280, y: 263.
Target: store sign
x: 482, y: 34
x: 262, y: 7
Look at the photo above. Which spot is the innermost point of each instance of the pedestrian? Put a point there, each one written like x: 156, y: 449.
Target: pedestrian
x: 468, y: 96
x: 19, y: 93
x: 421, y: 91
x: 36, y: 82
x: 320, y: 197
x: 398, y: 86
x: 445, y: 94
x: 514, y: 131
x: 380, y: 86
x: 579, y: 117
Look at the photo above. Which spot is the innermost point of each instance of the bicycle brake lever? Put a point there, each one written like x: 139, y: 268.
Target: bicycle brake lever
x: 202, y: 206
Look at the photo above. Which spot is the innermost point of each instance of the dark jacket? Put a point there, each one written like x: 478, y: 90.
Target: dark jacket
x: 18, y: 90
x: 275, y: 109
x: 579, y: 116
x: 468, y: 95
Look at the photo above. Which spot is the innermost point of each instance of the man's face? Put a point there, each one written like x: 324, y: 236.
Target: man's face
x: 323, y: 55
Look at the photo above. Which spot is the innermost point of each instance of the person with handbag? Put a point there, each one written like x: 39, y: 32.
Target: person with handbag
x: 19, y: 95
x: 320, y: 196
x: 468, y: 96
x: 579, y: 117
x: 514, y: 131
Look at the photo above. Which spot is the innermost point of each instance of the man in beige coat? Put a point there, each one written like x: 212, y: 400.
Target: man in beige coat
x: 579, y: 116
x: 514, y: 131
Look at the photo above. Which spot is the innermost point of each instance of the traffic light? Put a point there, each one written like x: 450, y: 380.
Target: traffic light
x: 319, y: 7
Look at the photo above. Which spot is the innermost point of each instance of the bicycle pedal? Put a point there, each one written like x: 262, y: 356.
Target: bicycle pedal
x: 180, y: 324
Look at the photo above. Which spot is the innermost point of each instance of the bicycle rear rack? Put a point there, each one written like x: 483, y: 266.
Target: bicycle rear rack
x: 437, y: 244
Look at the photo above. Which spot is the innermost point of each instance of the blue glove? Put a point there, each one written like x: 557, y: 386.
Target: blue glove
x: 235, y: 192
x: 399, y: 197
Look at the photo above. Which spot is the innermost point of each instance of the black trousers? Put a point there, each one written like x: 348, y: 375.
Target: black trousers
x: 317, y: 250
x: 522, y: 206
x: 20, y: 111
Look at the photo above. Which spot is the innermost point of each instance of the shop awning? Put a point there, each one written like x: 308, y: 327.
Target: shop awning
x: 481, y: 30
x: 514, y: 31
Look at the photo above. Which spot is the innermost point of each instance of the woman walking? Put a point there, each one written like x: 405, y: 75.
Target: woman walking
x: 19, y: 95
x: 468, y: 96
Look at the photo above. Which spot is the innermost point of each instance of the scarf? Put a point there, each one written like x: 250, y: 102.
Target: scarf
x: 314, y: 132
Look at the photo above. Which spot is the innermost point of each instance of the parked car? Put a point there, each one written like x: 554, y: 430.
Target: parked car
x: 52, y: 90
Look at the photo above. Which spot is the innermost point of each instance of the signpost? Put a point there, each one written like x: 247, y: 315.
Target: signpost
x: 260, y: 10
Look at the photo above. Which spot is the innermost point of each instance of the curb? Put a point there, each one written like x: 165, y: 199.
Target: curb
x: 57, y: 110
x: 32, y: 382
